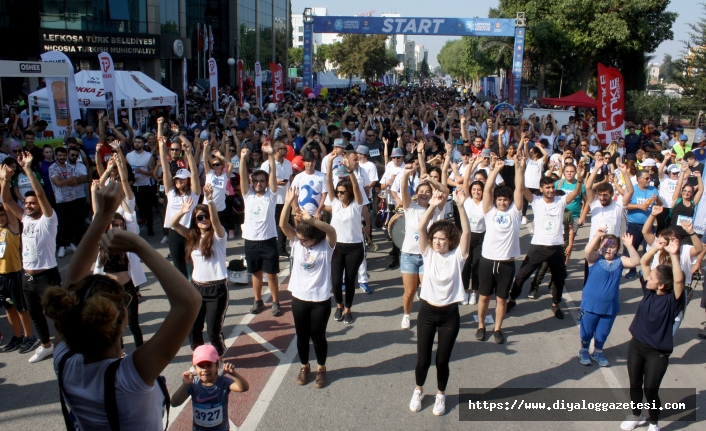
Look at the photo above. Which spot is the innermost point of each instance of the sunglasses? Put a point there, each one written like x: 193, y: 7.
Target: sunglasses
x: 370, y: 136
x: 398, y: 157
x: 202, y: 217
x: 175, y: 149
x: 215, y: 165
x: 340, y: 192
x: 16, y: 151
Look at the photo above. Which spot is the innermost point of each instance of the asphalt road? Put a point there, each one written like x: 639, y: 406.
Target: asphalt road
x: 371, y: 362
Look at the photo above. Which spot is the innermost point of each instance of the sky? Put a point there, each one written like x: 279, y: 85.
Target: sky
x: 687, y: 10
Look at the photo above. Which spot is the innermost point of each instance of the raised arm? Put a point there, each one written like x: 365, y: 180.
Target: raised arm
x: 283, y: 221
x: 591, y: 250
x: 490, y: 185
x: 193, y: 166
x: 579, y: 186
x: 519, y: 181
x: 406, y: 198
x: 243, y: 170
x: 10, y: 205
x: 329, y: 179
x: 436, y: 199
x: 122, y: 172
x: 213, y: 211
x: 167, y: 179
x: 267, y: 149
x: 351, y: 175
x: 175, y: 221
x: 25, y: 162
x: 302, y: 216
x: 460, y: 198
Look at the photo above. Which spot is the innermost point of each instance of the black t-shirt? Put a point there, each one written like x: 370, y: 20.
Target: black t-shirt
x: 692, y: 179
x: 375, y: 154
x: 508, y: 173
x: 679, y: 209
x: 654, y: 319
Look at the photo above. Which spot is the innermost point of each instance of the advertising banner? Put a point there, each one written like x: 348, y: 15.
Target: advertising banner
x: 307, y: 79
x: 65, y: 107
x: 108, y: 75
x: 611, y: 104
x: 258, y: 84
x: 277, y: 82
x: 517, y: 58
x: 186, y: 87
x: 213, y: 79
x: 241, y: 83
x: 429, y: 26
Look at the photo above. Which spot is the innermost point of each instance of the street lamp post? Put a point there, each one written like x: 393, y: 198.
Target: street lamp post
x: 231, y: 63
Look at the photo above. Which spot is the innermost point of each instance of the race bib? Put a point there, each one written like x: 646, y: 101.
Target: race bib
x: 671, y: 187
x: 374, y: 153
x: 29, y: 250
x: 258, y: 210
x: 509, y: 162
x: 208, y: 415
x: 23, y: 181
x: 2, y: 249
x: 548, y: 225
x: 236, y: 164
x: 161, y: 188
x: 681, y: 220
x: 217, y: 183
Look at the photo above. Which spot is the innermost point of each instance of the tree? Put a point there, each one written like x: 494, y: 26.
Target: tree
x: 452, y: 58
x: 666, y: 69
x: 363, y: 55
x: 423, y: 69
x: 323, y: 53
x: 296, y: 57
x: 690, y: 71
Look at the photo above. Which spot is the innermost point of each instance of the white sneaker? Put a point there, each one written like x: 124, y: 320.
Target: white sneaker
x: 530, y: 228
x: 524, y: 220
x: 416, y: 404
x: 416, y: 295
x: 631, y: 422
x: 473, y: 299
x: 71, y: 248
x: 41, y: 353
x: 465, y: 298
x: 653, y: 427
x: 405, y: 321
x: 165, y: 240
x: 62, y: 252
x: 440, y: 405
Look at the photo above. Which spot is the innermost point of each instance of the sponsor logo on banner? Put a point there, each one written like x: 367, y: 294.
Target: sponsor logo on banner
x: 241, y: 82
x: 213, y: 79
x: 611, y: 98
x: 277, y: 82
x: 108, y: 75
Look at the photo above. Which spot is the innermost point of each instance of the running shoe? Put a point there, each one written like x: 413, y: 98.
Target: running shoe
x: 653, y: 427
x: 416, y: 404
x: 556, y: 311
x: 439, y: 405
x: 62, y: 252
x: 473, y: 299
x: 584, y: 359
x: 14, y: 344
x: 631, y: 274
x: 164, y: 240
x: 632, y: 421
x: 276, y: 311
x: 599, y: 357
x: 702, y: 333
x: 320, y: 381
x: 41, y: 353
x: 524, y: 220
x: 406, y: 321
x: 347, y: 318
x: 29, y: 344
x: 338, y: 315
x: 365, y: 288
x: 498, y: 337
x: 532, y: 293
x: 257, y: 307
x: 480, y: 334
x: 71, y: 248
x: 466, y: 298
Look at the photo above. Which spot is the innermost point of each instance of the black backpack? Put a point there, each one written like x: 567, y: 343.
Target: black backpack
x: 111, y: 405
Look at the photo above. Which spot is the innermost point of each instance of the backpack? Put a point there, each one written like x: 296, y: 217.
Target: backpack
x: 111, y: 405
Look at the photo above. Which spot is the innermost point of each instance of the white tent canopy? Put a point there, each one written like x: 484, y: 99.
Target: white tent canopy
x: 134, y: 90
x: 330, y: 80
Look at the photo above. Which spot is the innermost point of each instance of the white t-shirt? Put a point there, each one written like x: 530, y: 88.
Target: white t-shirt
x: 338, y: 160
x: 79, y: 171
x: 347, y: 221
x: 476, y: 218
x: 412, y: 181
x: 412, y: 216
x: 140, y: 405
x: 548, y: 220
x: 218, y: 184
x: 213, y: 268
x: 174, y: 203
x: 39, y: 242
x: 310, y: 278
x: 442, y: 284
x: 372, y: 171
x: 284, y: 172
x: 700, y: 219
x: 498, y: 180
x: 141, y: 161
x: 666, y: 191
x: 461, y: 172
x: 610, y: 217
x: 363, y: 181
x: 260, y: 223
x: 391, y: 171
x: 311, y: 188
x: 533, y: 173
x: 502, y: 234
x: 685, y: 260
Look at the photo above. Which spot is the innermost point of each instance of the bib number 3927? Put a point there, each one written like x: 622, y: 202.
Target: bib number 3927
x: 208, y: 415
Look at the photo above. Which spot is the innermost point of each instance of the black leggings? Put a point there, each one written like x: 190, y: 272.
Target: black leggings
x: 214, y: 304
x: 348, y: 258
x: 310, y: 320
x: 132, y: 313
x: 469, y: 275
x: 177, y: 248
x: 646, y: 368
x: 448, y: 321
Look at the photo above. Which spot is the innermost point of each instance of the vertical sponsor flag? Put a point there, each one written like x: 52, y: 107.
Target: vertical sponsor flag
x: 611, y: 104
x: 213, y: 79
x: 205, y: 47
x: 210, y: 40
x: 517, y: 59
x: 63, y: 93
x: 108, y: 74
x: 241, y: 83
x: 258, y: 84
x: 307, y: 79
x: 277, y: 82
x: 200, y: 47
x: 186, y: 88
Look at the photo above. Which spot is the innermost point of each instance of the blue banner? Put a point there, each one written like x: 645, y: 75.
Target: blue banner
x: 517, y: 56
x: 436, y: 26
x: 307, y: 79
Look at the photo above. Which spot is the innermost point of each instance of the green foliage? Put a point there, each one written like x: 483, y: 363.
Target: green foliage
x: 423, y: 69
x: 323, y: 53
x: 296, y: 57
x: 690, y: 73
x: 170, y: 28
x: 639, y: 105
x: 363, y: 55
x: 666, y: 69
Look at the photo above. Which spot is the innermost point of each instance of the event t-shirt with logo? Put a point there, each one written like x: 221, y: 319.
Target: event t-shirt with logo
x: 218, y: 184
x: 311, y: 188
x: 502, y: 234
x: 412, y: 215
x: 210, y: 404
x: 39, y: 242
x: 548, y: 220
x: 260, y: 223
x: 311, y: 271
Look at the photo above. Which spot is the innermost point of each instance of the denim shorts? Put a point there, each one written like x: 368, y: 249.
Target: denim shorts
x: 411, y: 263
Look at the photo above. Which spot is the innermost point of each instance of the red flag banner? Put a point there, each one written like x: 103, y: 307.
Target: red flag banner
x: 277, y: 82
x: 611, y: 104
x: 200, y: 41
x: 241, y: 83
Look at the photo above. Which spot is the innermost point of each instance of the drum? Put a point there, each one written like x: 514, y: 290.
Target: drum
x: 396, y: 228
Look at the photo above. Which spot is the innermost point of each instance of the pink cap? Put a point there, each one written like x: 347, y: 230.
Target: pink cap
x: 205, y: 353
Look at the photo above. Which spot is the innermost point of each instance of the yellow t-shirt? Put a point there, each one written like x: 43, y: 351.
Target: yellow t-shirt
x: 9, y: 251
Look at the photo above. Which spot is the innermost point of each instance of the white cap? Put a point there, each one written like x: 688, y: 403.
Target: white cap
x: 649, y: 162
x: 184, y: 174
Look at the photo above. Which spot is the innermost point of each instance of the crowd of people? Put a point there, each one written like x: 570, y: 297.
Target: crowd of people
x: 310, y: 180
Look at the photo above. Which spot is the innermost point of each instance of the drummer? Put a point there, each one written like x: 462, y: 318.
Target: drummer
x: 392, y: 169
x: 411, y: 264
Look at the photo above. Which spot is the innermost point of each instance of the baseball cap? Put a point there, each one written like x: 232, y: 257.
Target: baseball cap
x: 674, y: 168
x: 205, y: 353
x: 396, y: 152
x: 683, y: 137
x: 700, y: 154
x: 184, y: 174
x: 362, y: 149
x: 561, y: 138
x: 341, y: 171
x: 339, y: 143
x: 649, y: 162
x: 298, y: 163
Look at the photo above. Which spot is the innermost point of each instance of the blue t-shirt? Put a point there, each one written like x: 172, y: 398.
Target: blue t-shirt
x: 601, y: 294
x: 90, y: 145
x: 210, y: 404
x: 654, y: 319
x: 639, y: 197
x: 567, y: 187
x: 298, y: 143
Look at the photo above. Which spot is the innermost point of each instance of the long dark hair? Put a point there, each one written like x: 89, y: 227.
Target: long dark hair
x: 194, y: 239
x: 103, y: 256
